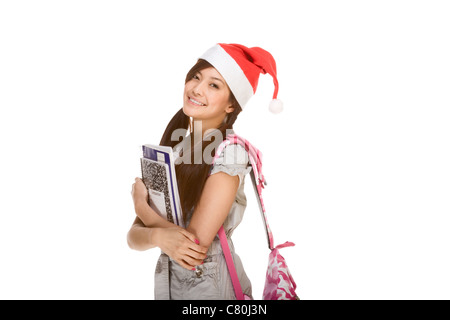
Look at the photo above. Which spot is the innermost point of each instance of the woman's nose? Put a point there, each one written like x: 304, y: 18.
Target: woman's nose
x: 198, y: 89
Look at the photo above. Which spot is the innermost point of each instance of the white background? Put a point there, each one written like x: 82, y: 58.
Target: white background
x: 357, y: 164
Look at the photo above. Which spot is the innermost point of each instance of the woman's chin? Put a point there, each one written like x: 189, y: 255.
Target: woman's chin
x: 192, y: 111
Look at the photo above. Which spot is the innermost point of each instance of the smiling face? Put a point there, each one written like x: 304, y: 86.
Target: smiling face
x: 207, y: 98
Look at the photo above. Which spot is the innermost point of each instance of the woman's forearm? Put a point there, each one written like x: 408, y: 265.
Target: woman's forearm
x: 149, y: 217
x: 150, y: 230
x: 146, y: 231
x: 142, y: 238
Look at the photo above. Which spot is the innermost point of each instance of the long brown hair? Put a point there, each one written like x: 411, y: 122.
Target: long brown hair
x: 191, y: 178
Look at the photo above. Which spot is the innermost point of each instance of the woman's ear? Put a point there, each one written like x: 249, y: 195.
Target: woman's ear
x: 229, y: 109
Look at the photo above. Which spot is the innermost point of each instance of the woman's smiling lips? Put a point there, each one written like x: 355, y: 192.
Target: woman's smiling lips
x: 195, y: 102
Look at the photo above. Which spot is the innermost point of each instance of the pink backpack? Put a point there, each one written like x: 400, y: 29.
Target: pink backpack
x: 279, y: 282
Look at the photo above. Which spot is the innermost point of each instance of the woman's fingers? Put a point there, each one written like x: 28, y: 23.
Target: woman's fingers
x: 195, y: 254
x: 184, y: 264
x: 194, y: 244
x: 182, y: 246
x: 194, y: 258
x: 192, y: 254
x: 138, y: 190
x: 188, y: 262
x: 190, y: 236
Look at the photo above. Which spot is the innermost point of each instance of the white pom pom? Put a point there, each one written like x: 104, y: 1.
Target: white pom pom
x: 276, y: 106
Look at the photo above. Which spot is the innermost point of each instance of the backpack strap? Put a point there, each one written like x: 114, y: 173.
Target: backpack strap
x: 258, y: 184
x: 230, y: 264
x: 258, y: 179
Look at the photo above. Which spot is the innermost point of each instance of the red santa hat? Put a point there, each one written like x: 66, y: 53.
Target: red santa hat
x: 240, y: 67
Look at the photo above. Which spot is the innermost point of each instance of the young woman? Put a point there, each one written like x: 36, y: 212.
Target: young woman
x: 192, y: 265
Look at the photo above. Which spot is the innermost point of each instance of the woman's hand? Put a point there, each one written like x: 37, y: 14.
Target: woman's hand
x: 181, y: 246
x: 139, y: 191
x: 178, y: 243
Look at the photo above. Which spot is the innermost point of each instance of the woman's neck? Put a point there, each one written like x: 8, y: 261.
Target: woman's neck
x: 202, y: 126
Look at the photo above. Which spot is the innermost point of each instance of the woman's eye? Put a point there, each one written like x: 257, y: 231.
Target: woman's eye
x: 214, y: 85
x: 195, y: 77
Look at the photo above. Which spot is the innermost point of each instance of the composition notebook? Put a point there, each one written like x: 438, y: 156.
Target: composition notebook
x: 158, y: 174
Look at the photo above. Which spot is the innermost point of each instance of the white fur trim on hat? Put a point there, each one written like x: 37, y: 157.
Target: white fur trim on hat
x: 231, y: 72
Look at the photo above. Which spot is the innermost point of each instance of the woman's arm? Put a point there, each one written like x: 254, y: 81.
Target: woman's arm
x: 213, y: 207
x: 140, y: 237
x: 145, y: 213
x: 176, y: 242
